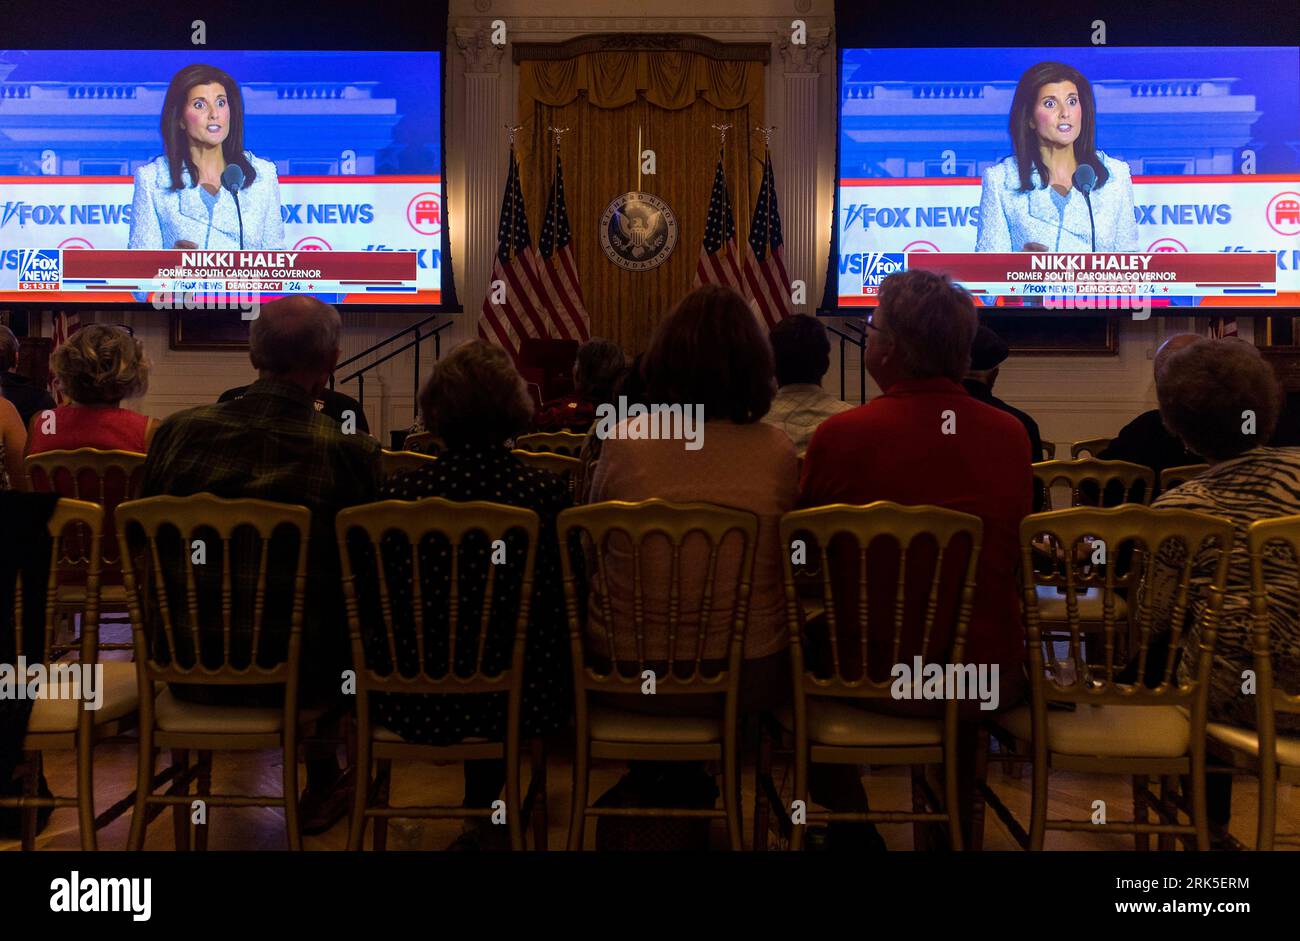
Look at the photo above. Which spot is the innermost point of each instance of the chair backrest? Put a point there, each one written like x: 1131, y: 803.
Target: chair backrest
x: 216, y: 589
x: 438, y: 594
x: 1048, y: 452
x: 1089, y: 446
x: 395, y: 462
x: 1272, y: 573
x: 82, y: 523
x: 103, y: 477
x: 640, y: 615
x: 925, y: 558
x: 424, y: 442
x: 1091, y: 481
x: 567, y: 443
x: 1171, y: 477
x: 570, y: 468
x: 1174, y: 554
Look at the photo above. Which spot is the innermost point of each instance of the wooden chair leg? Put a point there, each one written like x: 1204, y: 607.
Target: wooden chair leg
x: 31, y: 788
x: 1166, y: 841
x: 360, y: 796
x: 541, y: 817
x: 920, y: 830
x: 762, y: 775
x: 143, y: 786
x: 1141, y: 804
x: 181, y: 812
x: 86, y: 794
x: 731, y: 791
x: 204, y: 790
x: 384, y: 784
x: 578, y: 809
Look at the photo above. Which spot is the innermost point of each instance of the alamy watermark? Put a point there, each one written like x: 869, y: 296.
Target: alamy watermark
x: 34, y: 681
x: 214, y: 297
x: 636, y: 421
x: 90, y: 894
x: 933, y: 681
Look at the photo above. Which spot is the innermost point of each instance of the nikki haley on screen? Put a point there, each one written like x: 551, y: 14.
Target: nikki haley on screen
x: 1035, y: 199
x: 185, y: 198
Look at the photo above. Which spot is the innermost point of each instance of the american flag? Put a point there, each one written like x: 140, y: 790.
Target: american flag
x: 519, y: 312
x: 766, y: 283
x: 64, y: 325
x: 559, y: 270
x: 719, y: 259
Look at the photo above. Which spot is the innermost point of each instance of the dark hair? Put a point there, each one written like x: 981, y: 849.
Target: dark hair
x: 1205, y: 389
x: 800, y: 349
x: 1024, y: 139
x: 932, y: 322
x: 631, y: 383
x: 8, y: 349
x: 709, y: 351
x: 476, y: 396
x: 176, y: 141
x: 600, y: 364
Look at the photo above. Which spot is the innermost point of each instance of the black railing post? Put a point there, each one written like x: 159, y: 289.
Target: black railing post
x: 361, y: 391
x: 415, y: 383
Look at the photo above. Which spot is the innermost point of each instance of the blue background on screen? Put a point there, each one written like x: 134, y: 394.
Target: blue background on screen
x: 303, y: 109
x: 1169, y: 111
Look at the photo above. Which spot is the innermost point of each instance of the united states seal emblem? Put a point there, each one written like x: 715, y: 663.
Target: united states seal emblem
x: 638, y: 231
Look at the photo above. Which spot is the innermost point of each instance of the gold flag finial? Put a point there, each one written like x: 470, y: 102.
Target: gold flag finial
x: 557, y: 133
x: 767, y: 133
x: 512, y: 128
x: 722, y: 133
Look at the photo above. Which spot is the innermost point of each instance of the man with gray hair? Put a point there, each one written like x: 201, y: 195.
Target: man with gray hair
x: 24, y: 394
x: 272, y: 444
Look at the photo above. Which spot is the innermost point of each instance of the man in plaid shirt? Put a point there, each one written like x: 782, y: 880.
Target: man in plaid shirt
x: 801, y: 353
x: 272, y: 444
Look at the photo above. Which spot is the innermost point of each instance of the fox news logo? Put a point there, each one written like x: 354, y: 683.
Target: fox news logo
x: 876, y: 267
x: 39, y: 269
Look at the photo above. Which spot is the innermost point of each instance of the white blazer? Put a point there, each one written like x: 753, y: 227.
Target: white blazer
x: 1010, y: 218
x: 160, y: 215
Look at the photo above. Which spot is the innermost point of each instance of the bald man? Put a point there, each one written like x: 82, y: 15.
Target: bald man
x: 1145, y: 440
x: 272, y: 444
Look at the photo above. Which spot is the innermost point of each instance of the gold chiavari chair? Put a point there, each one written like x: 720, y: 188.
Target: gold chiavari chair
x: 62, y: 723
x: 838, y: 670
x: 395, y: 462
x: 1048, y: 452
x: 1096, y: 719
x: 1171, y: 477
x: 1243, y: 747
x: 424, y: 442
x: 1089, y: 446
x: 103, y: 477
x: 196, y: 621
x: 694, y: 653
x: 569, y: 468
x: 567, y: 443
x: 450, y: 656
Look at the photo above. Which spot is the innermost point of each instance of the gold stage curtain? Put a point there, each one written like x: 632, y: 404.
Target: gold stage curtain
x: 672, y: 98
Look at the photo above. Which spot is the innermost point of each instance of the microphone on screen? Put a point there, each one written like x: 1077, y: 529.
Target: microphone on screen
x: 1085, y: 178
x: 232, y: 178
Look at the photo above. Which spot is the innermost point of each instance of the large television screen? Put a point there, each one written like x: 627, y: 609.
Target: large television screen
x: 1083, y: 179
x: 332, y: 181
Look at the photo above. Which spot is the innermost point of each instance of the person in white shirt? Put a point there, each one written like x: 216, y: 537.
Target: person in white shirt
x: 802, y: 354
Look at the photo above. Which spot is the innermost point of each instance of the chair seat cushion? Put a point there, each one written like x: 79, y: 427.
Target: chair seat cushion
x: 837, y: 722
x: 177, y: 715
x: 1051, y: 606
x: 607, y: 724
x: 121, y: 696
x: 1110, y: 731
x: 1247, y: 740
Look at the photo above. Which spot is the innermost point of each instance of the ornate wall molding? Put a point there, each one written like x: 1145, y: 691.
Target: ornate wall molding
x: 481, y: 57
x: 642, y: 42
x: 806, y: 58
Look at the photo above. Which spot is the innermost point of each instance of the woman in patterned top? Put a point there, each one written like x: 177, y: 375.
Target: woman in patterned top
x: 1205, y: 394
x: 476, y: 401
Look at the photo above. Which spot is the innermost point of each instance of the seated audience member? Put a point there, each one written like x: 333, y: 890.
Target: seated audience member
x: 987, y: 354
x: 801, y: 353
x: 329, y: 403
x: 1203, y: 392
x: 27, y: 396
x: 13, y: 438
x: 924, y: 440
x: 1145, y: 440
x: 599, y: 365
x: 476, y: 401
x: 709, y: 353
x: 272, y: 444
x: 98, y: 367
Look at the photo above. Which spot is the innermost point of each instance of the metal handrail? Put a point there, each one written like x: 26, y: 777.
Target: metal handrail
x: 860, y: 341
x: 360, y: 374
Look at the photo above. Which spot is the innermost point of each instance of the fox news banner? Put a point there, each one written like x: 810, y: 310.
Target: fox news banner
x: 398, y: 221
